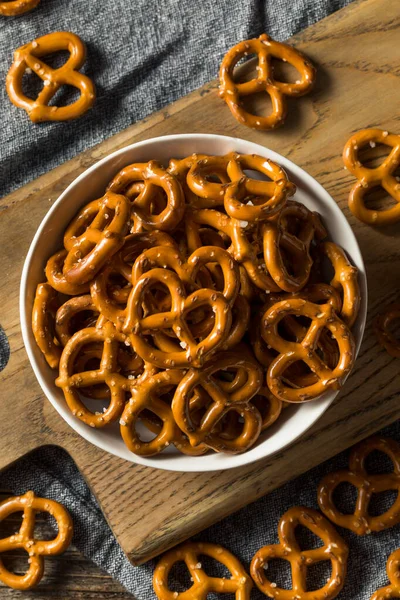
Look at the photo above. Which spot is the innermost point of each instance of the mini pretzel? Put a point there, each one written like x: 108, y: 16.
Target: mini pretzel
x: 153, y: 177
x: 345, y: 281
x: 239, y: 583
x: 25, y: 539
x: 266, y: 49
x: 72, y: 383
x: 57, y: 279
x: 322, y: 316
x: 393, y: 573
x: 368, y: 178
x: 68, y: 311
x: 17, y: 7
x: 43, y: 316
x: 382, y: 330
x: 366, y: 484
x: 147, y: 397
x: 216, y: 168
x: 334, y: 549
x: 30, y: 56
x: 277, y: 234
x: 223, y: 397
x: 94, y: 236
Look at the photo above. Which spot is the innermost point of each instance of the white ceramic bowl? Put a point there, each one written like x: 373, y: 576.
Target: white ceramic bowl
x: 90, y: 185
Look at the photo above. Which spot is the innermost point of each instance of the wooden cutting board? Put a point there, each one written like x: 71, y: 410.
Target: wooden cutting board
x: 357, y: 52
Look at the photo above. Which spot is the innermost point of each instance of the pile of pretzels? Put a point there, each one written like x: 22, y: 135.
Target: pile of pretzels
x: 192, y: 298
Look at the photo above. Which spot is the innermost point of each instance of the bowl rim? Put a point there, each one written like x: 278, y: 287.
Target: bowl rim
x: 89, y: 434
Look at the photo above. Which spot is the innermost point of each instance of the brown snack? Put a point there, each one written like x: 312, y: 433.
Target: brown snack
x: 30, y: 56
x: 239, y: 584
x: 43, y: 323
x: 334, y: 550
x: 366, y: 484
x: 17, y: 7
x: 393, y: 573
x: 266, y: 49
x: 369, y: 178
x: 382, y: 329
x: 322, y: 316
x: 25, y: 538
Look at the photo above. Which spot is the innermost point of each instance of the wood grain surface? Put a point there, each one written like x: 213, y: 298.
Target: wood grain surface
x: 358, y: 57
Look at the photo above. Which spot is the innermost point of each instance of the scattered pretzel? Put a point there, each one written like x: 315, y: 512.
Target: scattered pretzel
x: 30, y: 56
x: 239, y: 583
x: 17, y: 7
x: 43, y: 325
x: 334, y: 550
x: 369, y: 178
x: 382, y: 329
x: 393, y: 573
x: 360, y: 522
x: 322, y: 316
x: 25, y: 539
x: 266, y: 49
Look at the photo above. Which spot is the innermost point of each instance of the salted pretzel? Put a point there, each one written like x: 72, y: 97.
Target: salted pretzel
x: 334, y: 549
x: 266, y: 50
x: 215, y: 170
x: 345, y: 281
x: 322, y: 316
x: 278, y: 236
x: 239, y: 583
x: 148, y: 397
x: 43, y: 323
x: 94, y: 236
x: 30, y: 56
x: 72, y: 382
x: 393, y: 572
x: 153, y: 177
x: 382, y: 329
x: 57, y: 280
x: 17, y: 7
x: 243, y: 249
x: 369, y: 178
x: 70, y: 311
x: 361, y: 522
x: 223, y: 397
x: 25, y: 538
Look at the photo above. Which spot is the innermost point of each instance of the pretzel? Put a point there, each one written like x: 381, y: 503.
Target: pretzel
x: 223, y: 398
x: 334, y: 549
x: 369, y: 178
x: 242, y: 248
x: 267, y: 405
x: 216, y: 169
x: 360, y: 522
x: 112, y: 302
x: 56, y: 278
x: 322, y: 316
x: 277, y: 234
x: 25, y: 538
x: 17, y: 7
x: 153, y: 177
x: 382, y: 330
x: 239, y: 583
x: 345, y: 280
x: 68, y: 312
x: 266, y: 49
x: 30, y: 56
x: 148, y: 397
x: 72, y: 382
x: 43, y: 315
x: 393, y: 573
x: 269, y: 196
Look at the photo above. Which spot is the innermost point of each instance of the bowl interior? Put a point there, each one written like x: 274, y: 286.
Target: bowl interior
x: 90, y: 185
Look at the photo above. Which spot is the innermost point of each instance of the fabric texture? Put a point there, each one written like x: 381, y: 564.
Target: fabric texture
x: 143, y: 55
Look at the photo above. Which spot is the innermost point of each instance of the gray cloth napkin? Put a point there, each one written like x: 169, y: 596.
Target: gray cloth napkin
x: 143, y: 55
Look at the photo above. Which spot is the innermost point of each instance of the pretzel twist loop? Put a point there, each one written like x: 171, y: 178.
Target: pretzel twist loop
x: 25, y: 538
x: 266, y: 49
x: 239, y: 583
x: 369, y: 178
x: 334, y: 549
x: 30, y: 56
x: 43, y: 323
x: 393, y: 573
x: 360, y: 522
x: 17, y: 7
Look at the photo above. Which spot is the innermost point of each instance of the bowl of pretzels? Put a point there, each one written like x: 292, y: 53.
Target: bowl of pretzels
x: 193, y: 302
